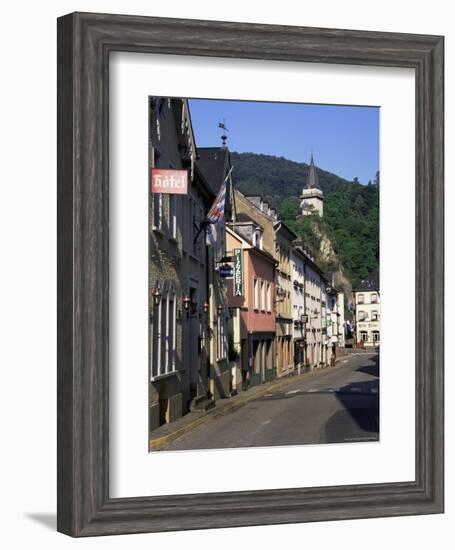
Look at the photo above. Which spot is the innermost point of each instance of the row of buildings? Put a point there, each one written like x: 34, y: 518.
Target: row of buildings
x: 242, y: 308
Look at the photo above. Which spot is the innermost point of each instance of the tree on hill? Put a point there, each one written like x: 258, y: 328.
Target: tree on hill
x: 351, y: 210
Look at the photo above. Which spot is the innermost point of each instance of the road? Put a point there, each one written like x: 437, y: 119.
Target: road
x: 333, y: 405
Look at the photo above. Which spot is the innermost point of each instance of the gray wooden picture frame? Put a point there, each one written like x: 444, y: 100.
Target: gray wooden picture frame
x: 84, y: 43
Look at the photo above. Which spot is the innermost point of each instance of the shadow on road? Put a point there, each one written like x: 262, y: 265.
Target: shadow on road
x: 372, y: 370
x: 359, y: 418
x: 360, y: 414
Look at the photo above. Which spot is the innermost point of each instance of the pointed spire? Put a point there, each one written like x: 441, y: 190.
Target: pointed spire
x: 312, y: 182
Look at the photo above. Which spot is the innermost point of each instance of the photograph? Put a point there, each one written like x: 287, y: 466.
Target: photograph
x: 264, y: 263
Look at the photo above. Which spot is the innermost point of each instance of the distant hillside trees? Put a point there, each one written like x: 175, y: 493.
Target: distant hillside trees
x: 351, y: 210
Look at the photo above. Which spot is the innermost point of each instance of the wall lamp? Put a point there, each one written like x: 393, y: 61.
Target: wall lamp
x: 156, y: 295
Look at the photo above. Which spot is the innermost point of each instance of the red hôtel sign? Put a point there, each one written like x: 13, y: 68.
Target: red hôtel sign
x: 169, y: 181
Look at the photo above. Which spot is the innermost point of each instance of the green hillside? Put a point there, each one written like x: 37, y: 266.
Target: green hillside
x: 351, y: 210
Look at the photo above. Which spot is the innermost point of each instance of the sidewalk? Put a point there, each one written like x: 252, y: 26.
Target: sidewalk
x: 167, y: 433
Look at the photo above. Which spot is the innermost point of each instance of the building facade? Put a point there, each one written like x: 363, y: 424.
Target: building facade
x: 316, y: 342
x: 251, y: 295
x: 214, y: 165
x: 284, y: 347
x: 335, y: 320
x: 368, y: 311
x: 299, y: 315
x: 179, y: 354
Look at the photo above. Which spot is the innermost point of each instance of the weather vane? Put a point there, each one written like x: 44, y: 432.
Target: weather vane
x: 222, y: 125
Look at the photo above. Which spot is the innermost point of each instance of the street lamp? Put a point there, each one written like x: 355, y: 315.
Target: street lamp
x: 186, y: 301
x: 156, y: 294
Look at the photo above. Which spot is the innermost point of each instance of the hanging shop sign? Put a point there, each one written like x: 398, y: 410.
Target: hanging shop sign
x: 226, y: 271
x: 172, y: 182
x: 238, y: 272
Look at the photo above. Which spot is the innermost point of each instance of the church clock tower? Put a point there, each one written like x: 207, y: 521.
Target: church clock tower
x: 312, y: 198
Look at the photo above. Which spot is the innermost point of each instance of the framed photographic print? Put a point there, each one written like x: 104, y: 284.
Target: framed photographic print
x: 250, y: 252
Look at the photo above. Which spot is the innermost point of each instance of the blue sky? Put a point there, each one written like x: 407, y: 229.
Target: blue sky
x: 343, y: 139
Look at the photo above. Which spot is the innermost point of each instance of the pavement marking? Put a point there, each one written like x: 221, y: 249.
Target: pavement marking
x: 345, y: 361
x: 312, y: 390
x: 292, y: 391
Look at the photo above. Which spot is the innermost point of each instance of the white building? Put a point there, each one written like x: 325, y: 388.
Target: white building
x: 315, y: 297
x: 368, y: 311
x: 335, y: 318
x: 298, y: 306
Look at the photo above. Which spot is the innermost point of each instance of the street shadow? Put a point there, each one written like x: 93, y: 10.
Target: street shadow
x: 372, y: 369
x: 47, y: 520
x: 360, y: 414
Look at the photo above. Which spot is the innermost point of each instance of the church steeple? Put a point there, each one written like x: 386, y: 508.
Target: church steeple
x: 312, y: 180
x: 312, y: 197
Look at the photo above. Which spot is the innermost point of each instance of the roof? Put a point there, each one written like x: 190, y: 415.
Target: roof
x: 251, y: 248
x: 369, y: 283
x: 297, y: 247
x: 312, y: 180
x: 241, y: 217
x: 212, y: 162
x: 281, y: 226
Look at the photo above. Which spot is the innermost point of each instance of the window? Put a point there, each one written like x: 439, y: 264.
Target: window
x: 221, y: 338
x: 360, y: 299
x: 157, y: 211
x: 269, y: 354
x: 192, y: 224
x: 184, y: 204
x: 199, y: 242
x: 374, y: 316
x: 163, y: 339
x: 262, y: 295
x: 374, y: 298
x: 155, y: 341
x: 172, y: 217
x: 364, y: 336
x: 256, y: 356
x: 171, y: 334
x: 375, y: 335
x: 362, y: 316
x: 163, y: 335
x: 255, y: 293
x: 257, y: 239
x: 269, y: 298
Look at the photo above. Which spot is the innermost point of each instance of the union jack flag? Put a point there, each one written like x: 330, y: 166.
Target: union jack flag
x: 216, y: 212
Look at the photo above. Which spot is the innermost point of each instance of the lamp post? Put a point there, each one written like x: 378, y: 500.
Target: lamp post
x: 186, y: 301
x: 156, y: 295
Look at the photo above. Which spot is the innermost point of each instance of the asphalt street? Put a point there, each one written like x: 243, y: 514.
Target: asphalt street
x: 335, y: 405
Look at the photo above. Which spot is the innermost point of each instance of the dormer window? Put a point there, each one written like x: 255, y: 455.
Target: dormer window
x: 257, y: 238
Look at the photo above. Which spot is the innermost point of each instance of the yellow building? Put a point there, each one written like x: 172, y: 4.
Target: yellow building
x: 283, y: 300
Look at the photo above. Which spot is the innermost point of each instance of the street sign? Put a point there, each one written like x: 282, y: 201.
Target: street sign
x: 238, y: 272
x: 226, y: 271
x: 172, y: 182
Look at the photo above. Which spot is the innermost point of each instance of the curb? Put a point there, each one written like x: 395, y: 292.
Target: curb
x: 158, y: 442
